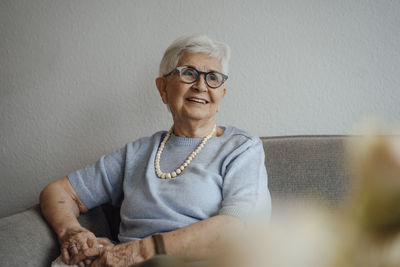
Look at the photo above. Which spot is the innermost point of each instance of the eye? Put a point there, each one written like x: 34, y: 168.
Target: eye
x: 213, y: 77
x: 188, y: 73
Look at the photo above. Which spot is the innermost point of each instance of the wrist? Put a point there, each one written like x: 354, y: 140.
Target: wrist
x: 147, y: 248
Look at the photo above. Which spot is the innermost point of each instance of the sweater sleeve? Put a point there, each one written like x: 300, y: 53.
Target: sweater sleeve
x: 100, y: 182
x: 245, y: 190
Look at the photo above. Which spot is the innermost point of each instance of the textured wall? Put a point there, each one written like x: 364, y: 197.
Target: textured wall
x: 77, y: 77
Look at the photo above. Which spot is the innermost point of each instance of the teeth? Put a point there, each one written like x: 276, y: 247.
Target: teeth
x: 197, y: 100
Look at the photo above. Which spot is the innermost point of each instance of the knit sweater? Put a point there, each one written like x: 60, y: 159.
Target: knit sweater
x: 227, y: 177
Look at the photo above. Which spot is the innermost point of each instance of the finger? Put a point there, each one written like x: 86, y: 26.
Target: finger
x: 90, y: 242
x: 79, y: 252
x: 78, y: 258
x: 81, y: 264
x: 76, y: 255
x: 88, y: 254
x: 65, y: 255
x: 95, y: 263
x: 84, y: 251
x: 93, y: 252
x: 84, y: 246
x: 73, y: 251
x: 104, y: 242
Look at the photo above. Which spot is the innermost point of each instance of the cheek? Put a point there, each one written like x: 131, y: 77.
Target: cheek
x: 217, y: 98
x: 177, y: 91
x: 175, y: 100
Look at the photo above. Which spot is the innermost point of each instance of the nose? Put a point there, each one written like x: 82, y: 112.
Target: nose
x: 200, y: 84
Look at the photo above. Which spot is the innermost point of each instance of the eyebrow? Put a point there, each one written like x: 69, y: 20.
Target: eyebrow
x: 198, y: 70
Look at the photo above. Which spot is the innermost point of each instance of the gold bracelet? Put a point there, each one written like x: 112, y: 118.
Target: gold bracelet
x: 159, y: 244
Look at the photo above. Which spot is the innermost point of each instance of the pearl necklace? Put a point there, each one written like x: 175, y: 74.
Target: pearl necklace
x: 189, y: 159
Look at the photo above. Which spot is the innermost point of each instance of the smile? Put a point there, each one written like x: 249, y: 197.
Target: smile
x: 197, y: 100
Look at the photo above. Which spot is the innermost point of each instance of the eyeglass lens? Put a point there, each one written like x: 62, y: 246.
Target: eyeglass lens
x: 190, y: 75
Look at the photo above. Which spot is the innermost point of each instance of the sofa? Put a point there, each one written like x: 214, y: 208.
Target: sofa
x: 299, y: 167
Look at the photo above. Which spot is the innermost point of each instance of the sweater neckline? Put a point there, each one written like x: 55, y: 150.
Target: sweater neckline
x: 190, y: 141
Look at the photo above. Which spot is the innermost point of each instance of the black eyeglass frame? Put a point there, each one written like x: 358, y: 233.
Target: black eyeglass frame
x: 180, y: 68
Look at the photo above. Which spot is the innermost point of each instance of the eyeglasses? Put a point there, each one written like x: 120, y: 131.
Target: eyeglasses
x: 189, y: 75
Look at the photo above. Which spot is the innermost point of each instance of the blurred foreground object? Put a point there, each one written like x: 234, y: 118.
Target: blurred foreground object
x: 371, y: 220
x: 294, y: 237
x: 364, y: 232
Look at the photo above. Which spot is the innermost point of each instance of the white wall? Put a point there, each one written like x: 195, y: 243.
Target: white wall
x: 77, y: 77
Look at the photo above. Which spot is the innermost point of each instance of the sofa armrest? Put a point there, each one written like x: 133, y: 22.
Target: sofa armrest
x: 27, y: 240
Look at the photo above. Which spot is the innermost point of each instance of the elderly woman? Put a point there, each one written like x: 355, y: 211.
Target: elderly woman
x: 180, y: 190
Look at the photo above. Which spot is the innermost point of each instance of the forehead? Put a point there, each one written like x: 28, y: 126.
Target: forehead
x: 201, y: 62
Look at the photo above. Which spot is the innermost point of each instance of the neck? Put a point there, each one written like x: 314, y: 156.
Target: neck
x: 193, y: 129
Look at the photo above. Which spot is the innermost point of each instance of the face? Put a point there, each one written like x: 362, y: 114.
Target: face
x: 184, y: 99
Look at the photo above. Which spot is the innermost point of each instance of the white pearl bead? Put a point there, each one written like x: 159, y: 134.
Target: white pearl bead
x: 182, y: 168
x: 163, y: 175
x: 173, y: 174
x: 168, y: 176
x: 178, y: 171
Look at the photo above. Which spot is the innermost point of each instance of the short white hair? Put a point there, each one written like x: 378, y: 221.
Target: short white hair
x: 194, y: 44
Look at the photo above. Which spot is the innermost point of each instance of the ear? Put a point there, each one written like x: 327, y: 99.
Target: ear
x: 161, y: 84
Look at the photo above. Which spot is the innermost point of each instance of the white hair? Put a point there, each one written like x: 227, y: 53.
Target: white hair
x: 194, y: 44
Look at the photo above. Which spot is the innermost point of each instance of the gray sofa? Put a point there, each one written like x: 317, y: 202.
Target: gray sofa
x: 306, y: 167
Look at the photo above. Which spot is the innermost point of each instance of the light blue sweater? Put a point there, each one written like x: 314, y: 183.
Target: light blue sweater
x: 227, y: 177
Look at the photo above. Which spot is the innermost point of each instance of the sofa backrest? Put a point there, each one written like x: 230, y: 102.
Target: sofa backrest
x: 307, y: 167
x: 301, y: 167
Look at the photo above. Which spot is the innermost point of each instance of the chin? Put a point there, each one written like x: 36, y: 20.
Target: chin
x: 197, y: 116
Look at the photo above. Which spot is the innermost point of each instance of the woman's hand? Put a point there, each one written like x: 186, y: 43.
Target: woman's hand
x: 125, y: 254
x: 79, y: 244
